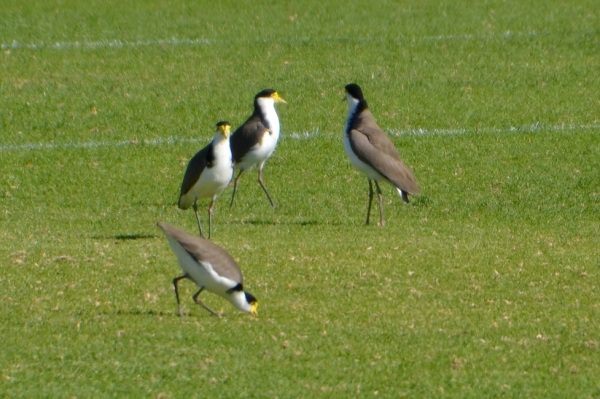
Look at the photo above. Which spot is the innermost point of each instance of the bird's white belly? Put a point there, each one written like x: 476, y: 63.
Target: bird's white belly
x: 358, y: 164
x: 213, y: 181
x: 260, y: 151
x: 203, y: 275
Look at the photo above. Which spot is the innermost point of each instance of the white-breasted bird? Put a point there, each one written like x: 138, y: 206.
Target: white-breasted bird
x: 254, y: 142
x: 208, y: 174
x: 372, y: 152
x: 210, y: 267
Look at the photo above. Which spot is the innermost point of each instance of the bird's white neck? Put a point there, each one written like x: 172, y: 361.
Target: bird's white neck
x: 221, y: 149
x: 238, y: 299
x: 267, y: 108
x: 220, y: 139
x: 352, y: 106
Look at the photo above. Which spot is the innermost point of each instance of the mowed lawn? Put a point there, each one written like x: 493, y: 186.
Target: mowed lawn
x: 486, y: 285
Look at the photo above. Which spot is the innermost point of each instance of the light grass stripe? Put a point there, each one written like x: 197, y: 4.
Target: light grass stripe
x: 116, y: 43
x: 121, y: 43
x: 97, y: 144
x: 536, y: 127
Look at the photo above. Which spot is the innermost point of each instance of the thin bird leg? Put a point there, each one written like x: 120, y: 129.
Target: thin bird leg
x: 370, y: 200
x: 198, y: 219
x: 199, y: 302
x: 380, y: 196
x: 210, y: 215
x: 175, y: 281
x: 262, y: 184
x: 235, y: 184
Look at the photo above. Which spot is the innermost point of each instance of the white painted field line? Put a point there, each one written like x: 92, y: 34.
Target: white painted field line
x: 116, y: 43
x: 121, y: 43
x: 513, y: 129
x: 98, y: 144
x: 536, y: 127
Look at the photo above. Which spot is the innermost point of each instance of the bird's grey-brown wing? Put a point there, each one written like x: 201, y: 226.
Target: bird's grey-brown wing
x: 246, y: 136
x: 205, y: 251
x: 391, y: 168
x: 194, y: 169
x: 365, y: 123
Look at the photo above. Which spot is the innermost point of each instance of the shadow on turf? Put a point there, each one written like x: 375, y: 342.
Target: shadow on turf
x: 126, y: 237
x: 152, y: 313
x: 262, y: 222
x: 140, y: 312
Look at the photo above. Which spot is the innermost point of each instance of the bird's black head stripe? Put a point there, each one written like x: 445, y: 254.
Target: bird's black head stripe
x: 250, y: 298
x: 258, y: 110
x: 265, y: 93
x: 355, y: 91
x: 238, y: 287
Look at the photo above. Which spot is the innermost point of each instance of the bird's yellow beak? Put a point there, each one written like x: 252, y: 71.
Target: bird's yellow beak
x: 225, y: 130
x: 253, y: 310
x: 278, y: 99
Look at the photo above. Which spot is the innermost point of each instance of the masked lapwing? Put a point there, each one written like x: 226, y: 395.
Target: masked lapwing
x: 372, y: 152
x: 254, y: 142
x: 210, y: 267
x: 208, y: 173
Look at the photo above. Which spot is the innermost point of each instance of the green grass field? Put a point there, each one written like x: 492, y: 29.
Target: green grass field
x: 486, y: 285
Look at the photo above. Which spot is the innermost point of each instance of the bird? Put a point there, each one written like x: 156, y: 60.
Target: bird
x: 255, y: 140
x: 210, y: 267
x: 208, y: 174
x: 372, y: 152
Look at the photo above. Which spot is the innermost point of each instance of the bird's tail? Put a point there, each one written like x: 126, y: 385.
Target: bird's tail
x: 185, y: 201
x: 403, y: 195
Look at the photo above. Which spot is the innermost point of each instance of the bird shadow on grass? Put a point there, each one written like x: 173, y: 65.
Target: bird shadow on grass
x: 156, y: 313
x: 143, y: 312
x: 125, y: 237
x: 263, y: 222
